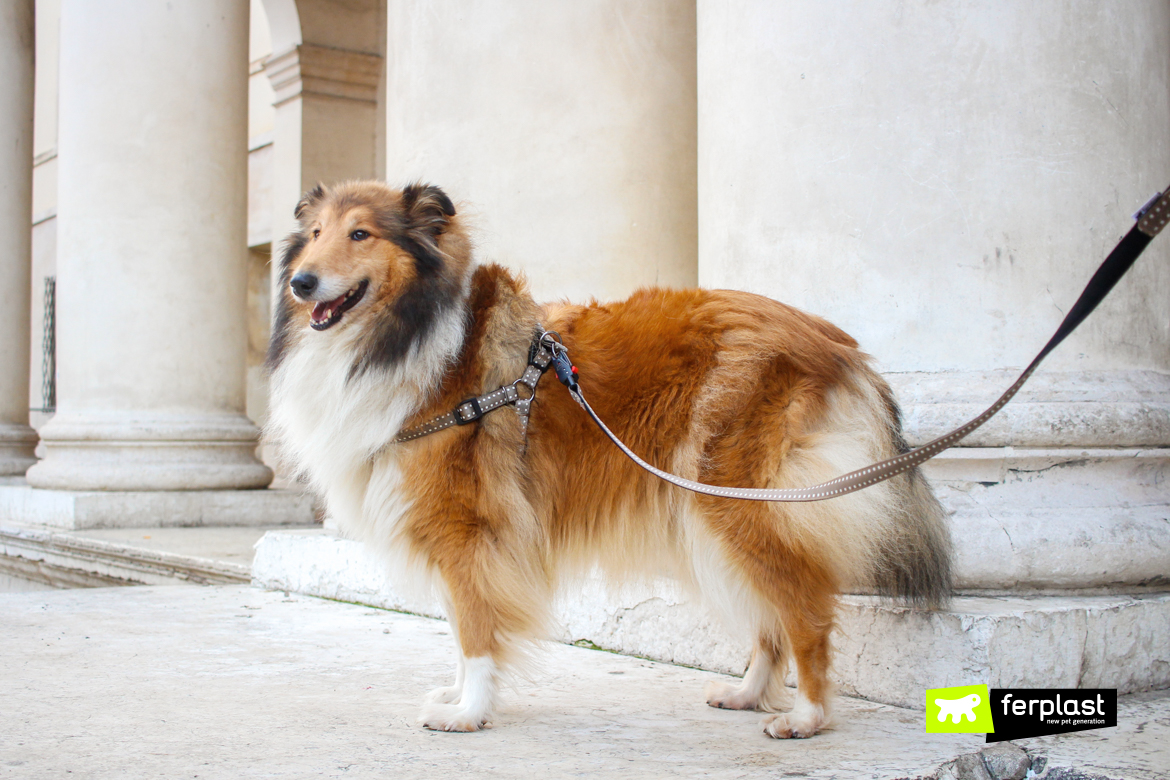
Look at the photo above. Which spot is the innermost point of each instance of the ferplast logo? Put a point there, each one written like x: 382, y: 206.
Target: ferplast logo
x: 1018, y: 713
x: 965, y: 709
x: 1037, y: 712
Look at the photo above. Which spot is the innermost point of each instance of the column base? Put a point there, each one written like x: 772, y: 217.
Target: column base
x: 76, y: 510
x: 128, y: 452
x: 1064, y: 489
x: 1054, y: 409
x: 17, y: 443
x: 1056, y: 519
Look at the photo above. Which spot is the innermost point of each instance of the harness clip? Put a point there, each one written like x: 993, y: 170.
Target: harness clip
x: 462, y: 417
x: 566, y: 371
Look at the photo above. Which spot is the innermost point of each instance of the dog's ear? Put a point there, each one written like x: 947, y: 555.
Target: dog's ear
x: 428, y: 209
x: 308, y: 200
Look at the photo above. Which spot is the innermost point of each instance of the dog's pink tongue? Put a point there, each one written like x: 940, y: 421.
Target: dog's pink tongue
x: 321, y: 309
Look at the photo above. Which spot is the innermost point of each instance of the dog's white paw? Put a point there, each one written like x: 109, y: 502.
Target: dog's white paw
x: 448, y: 694
x: 452, y: 717
x: 802, y: 722
x: 730, y: 697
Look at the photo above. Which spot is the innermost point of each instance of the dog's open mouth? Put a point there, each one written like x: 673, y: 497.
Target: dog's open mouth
x: 326, y: 314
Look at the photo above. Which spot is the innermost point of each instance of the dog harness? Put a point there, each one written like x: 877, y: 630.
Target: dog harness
x: 540, y: 356
x: 548, y: 349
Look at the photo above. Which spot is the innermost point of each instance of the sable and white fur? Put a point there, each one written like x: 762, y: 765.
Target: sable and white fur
x: 384, y: 321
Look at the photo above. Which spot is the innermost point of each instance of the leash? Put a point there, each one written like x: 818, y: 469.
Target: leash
x: 547, y: 350
x: 1150, y: 221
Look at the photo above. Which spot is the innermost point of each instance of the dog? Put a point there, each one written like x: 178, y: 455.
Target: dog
x: 384, y: 321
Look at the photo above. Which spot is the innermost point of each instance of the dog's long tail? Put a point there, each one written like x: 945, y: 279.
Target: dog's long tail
x: 914, y: 559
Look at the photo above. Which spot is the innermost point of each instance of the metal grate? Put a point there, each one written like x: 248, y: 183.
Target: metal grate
x: 49, y: 349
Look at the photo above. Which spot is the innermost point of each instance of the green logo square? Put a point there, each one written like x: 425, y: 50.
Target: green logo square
x: 965, y: 709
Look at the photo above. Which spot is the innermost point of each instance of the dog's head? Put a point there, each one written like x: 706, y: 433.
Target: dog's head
x: 370, y: 257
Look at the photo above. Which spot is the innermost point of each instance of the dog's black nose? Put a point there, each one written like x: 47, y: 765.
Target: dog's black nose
x: 304, y: 284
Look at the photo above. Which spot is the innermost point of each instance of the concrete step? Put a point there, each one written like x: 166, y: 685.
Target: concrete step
x: 150, y: 556
x: 884, y: 652
x: 235, y: 681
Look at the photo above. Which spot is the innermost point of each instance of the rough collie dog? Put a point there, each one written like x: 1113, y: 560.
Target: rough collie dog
x: 384, y: 321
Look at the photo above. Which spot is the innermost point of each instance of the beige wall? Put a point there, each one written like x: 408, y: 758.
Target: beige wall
x: 940, y: 179
x: 261, y: 115
x: 566, y: 130
x: 261, y: 133
x: 925, y: 177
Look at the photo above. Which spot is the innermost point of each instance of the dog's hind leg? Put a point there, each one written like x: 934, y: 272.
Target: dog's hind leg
x: 800, y: 590
x: 808, y: 621
x: 762, y: 687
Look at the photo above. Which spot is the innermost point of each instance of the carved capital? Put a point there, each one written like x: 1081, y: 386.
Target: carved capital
x: 318, y: 70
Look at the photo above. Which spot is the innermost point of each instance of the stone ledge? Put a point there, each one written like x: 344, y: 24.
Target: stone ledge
x: 891, y: 653
x: 74, y: 510
x: 43, y: 572
x: 1057, y: 518
x: 885, y: 653
x: 1129, y: 408
x: 68, y: 560
x: 310, y: 69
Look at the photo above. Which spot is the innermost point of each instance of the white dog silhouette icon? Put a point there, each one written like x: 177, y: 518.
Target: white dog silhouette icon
x: 958, y: 708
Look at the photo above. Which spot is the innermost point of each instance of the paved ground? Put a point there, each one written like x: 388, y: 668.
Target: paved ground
x: 237, y: 682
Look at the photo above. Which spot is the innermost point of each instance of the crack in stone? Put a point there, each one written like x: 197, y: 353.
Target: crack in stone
x: 1062, y: 464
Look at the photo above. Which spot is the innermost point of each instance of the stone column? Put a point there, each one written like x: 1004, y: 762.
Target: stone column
x: 941, y: 181
x: 17, y: 439
x: 566, y: 130
x: 151, y: 273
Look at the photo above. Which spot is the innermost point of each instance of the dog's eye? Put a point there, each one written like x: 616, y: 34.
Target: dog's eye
x: 316, y: 232
x: 359, y: 235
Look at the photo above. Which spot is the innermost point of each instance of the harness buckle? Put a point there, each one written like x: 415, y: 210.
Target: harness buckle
x: 472, y: 413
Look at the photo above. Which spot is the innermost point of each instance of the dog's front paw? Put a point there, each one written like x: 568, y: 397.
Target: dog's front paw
x: 451, y: 717
x: 446, y: 695
x: 729, y: 697
x: 794, y: 725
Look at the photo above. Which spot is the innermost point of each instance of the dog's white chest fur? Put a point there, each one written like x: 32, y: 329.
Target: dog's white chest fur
x: 330, y: 425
